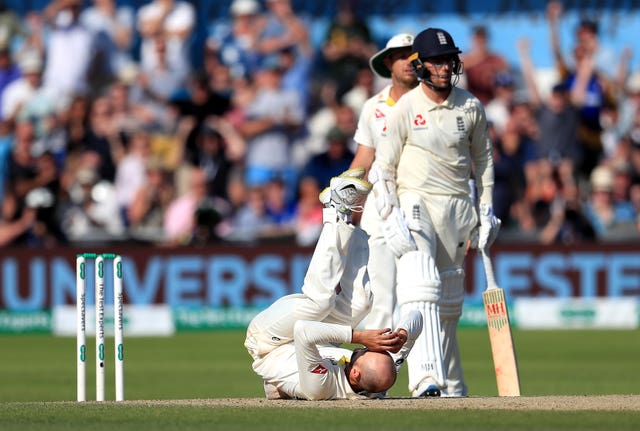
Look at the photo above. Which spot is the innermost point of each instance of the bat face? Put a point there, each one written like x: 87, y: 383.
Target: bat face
x: 504, y: 355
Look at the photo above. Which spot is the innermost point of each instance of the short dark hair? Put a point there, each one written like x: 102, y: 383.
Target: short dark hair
x: 589, y: 25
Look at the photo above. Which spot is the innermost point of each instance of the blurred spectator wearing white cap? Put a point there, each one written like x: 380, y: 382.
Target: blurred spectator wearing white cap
x: 603, y: 212
x: 18, y: 93
x: 235, y: 42
x: 175, y: 20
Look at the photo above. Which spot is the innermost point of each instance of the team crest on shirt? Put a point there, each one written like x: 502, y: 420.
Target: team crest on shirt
x: 419, y: 122
x: 320, y: 370
x: 379, y: 114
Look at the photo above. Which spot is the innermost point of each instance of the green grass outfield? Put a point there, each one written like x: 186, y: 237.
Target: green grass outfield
x: 37, y: 369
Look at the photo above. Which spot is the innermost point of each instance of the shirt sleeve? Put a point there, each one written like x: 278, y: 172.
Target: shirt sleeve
x: 318, y: 375
x: 482, y: 155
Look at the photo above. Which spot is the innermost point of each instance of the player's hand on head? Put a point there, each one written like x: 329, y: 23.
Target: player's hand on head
x: 376, y: 340
x: 401, y: 339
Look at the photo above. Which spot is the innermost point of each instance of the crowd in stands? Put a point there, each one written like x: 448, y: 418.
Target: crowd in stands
x: 103, y: 139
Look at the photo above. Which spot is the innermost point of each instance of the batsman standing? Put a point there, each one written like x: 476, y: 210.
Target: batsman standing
x: 391, y: 62
x: 433, y: 139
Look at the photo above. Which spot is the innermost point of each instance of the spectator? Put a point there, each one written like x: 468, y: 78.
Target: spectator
x: 211, y: 156
x: 567, y: 223
x: 92, y: 213
x: 557, y: 122
x: 219, y: 75
x: 308, y: 212
x: 150, y: 202
x: 18, y: 93
x: 33, y: 183
x: 280, y: 210
x: 347, y: 46
x: 64, y: 78
x: 250, y: 220
x: 362, y: 90
x: 180, y: 218
x: 236, y: 43
x: 175, y: 21
x: 164, y: 81
x: 481, y: 65
x: 296, y: 67
x: 272, y: 118
x: 29, y: 40
x: 509, y: 159
x: 621, y: 190
x: 112, y: 26
x: 201, y: 104
x: 103, y: 139
x: 9, y: 71
x: 26, y: 170
x: 332, y: 162
x: 130, y: 171
x: 76, y: 122
x: 630, y: 105
x: 285, y: 37
x: 282, y: 29
x: 498, y: 110
x: 606, y: 216
x: 587, y: 38
x: 129, y: 113
x: 589, y: 92
x: 11, y: 25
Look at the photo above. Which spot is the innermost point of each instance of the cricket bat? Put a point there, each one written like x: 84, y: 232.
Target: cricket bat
x: 502, y: 349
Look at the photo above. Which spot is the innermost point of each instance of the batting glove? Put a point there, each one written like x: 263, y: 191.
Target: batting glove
x: 489, y: 227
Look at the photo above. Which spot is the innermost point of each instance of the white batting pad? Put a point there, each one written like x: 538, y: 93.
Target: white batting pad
x: 418, y: 279
x: 425, y: 359
x: 450, y: 312
x: 452, y: 294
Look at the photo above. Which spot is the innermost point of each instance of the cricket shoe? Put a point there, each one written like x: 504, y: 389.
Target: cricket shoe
x: 346, y: 194
x: 431, y: 391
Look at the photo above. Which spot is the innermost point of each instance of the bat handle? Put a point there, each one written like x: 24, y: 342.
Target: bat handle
x: 488, y: 270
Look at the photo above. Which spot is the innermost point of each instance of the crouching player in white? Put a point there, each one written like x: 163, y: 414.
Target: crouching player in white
x: 294, y: 342
x: 434, y: 136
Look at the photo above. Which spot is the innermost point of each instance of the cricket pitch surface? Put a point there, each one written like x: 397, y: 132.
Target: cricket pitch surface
x: 559, y: 403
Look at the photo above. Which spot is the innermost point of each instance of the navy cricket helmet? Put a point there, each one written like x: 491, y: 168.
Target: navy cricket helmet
x: 434, y: 42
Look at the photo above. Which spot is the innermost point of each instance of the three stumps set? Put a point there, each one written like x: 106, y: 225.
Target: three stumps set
x: 99, y: 261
